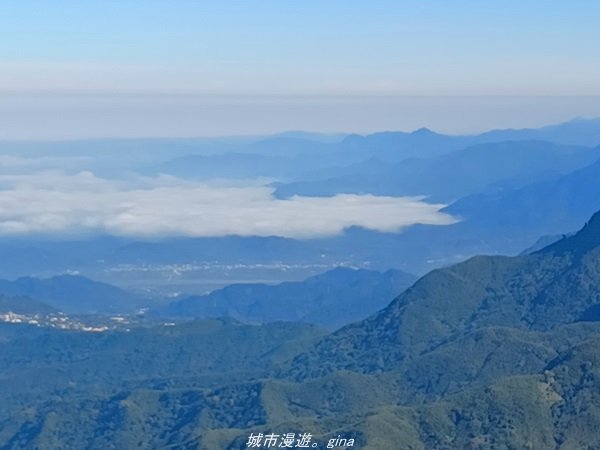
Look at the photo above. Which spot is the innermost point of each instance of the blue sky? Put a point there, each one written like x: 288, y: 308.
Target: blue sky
x: 276, y: 49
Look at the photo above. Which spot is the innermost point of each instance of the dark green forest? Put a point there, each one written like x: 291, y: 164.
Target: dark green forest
x: 492, y: 353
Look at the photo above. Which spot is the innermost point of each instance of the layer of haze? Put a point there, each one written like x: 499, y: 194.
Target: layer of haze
x: 98, y: 116
x: 133, y: 68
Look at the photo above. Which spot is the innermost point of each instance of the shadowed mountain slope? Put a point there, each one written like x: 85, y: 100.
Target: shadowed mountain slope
x: 476, y: 169
x: 72, y: 294
x: 332, y: 299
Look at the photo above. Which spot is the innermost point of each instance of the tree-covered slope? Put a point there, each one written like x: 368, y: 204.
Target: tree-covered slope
x: 493, y: 353
x: 553, y: 286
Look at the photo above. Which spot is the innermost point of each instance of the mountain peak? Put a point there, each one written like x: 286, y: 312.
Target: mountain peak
x: 423, y: 131
x: 594, y: 222
x: 584, y: 241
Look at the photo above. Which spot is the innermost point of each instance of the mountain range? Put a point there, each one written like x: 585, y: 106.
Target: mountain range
x: 540, y: 291
x: 494, y: 352
x: 23, y: 305
x: 499, y: 185
x: 70, y: 294
x: 331, y: 299
x: 559, y: 203
x: 476, y: 169
x: 300, y: 157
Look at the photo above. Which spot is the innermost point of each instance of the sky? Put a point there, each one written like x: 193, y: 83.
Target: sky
x: 181, y: 68
x: 133, y: 68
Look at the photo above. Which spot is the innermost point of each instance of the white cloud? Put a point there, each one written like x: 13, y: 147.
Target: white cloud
x: 20, y: 164
x: 55, y: 202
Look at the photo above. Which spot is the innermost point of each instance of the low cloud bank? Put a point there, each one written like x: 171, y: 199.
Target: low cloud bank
x: 59, y: 203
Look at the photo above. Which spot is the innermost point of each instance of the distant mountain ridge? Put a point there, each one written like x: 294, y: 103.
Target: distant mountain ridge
x: 294, y: 156
x: 448, y: 177
x: 24, y: 305
x: 579, y: 131
x: 72, y: 294
x: 549, y: 206
x: 332, y: 299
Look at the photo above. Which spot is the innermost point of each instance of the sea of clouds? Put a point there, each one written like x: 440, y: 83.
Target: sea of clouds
x: 57, y: 202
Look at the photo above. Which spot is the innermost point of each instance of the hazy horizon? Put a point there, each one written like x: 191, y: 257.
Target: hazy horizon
x: 76, y: 116
x: 189, y: 69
